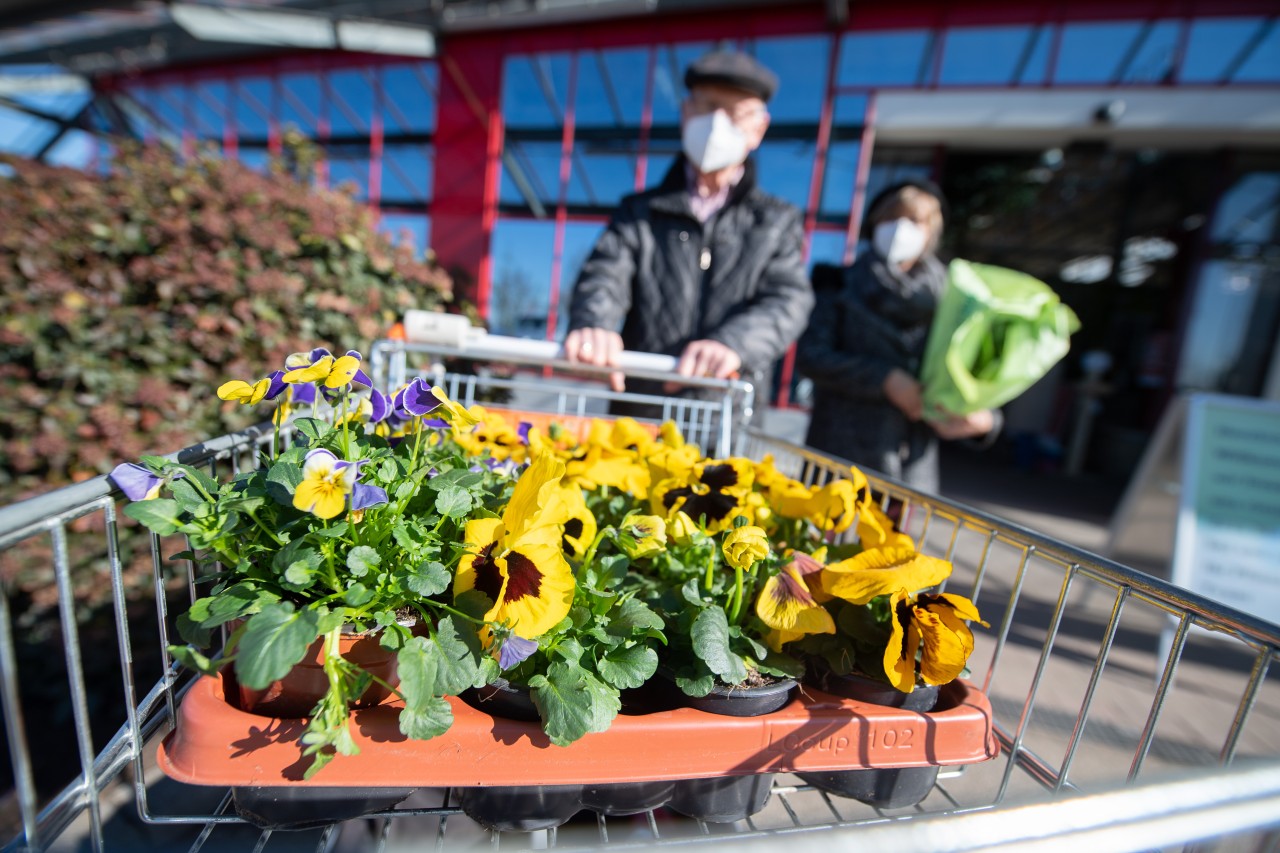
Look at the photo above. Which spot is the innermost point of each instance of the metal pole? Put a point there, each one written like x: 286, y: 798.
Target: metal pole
x: 566, y: 173
x: 863, y: 174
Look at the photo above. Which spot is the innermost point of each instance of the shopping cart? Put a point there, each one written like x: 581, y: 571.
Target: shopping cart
x: 1082, y: 700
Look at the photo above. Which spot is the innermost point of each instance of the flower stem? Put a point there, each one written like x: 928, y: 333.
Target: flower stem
x: 736, y: 599
x: 590, y: 555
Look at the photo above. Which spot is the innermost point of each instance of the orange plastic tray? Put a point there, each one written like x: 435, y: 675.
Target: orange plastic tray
x: 215, y: 744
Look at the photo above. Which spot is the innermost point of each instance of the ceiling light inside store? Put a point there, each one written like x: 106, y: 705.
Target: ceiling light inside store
x: 254, y: 26
x: 398, y: 40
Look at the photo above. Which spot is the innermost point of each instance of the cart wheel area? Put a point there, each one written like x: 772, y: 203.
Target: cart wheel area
x: 1085, y: 695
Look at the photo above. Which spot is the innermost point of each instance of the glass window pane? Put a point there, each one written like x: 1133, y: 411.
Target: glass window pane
x: 983, y: 55
x: 1248, y: 211
x: 579, y: 239
x: 785, y: 169
x: 890, y: 58
x: 61, y: 104
x: 1225, y: 300
x: 801, y: 66
x: 406, y: 174
x: 522, y: 253
x: 23, y: 134
x: 252, y: 105
x: 1214, y: 44
x: 1154, y: 60
x: 407, y: 92
x: 603, y: 174
x: 351, y: 98
x: 1263, y: 64
x: 850, y: 111
x: 350, y: 165
x: 826, y: 247
x: 535, y: 90
x: 1035, y: 71
x: 210, y: 109
x: 838, y: 178
x: 624, y: 71
x: 1093, y: 53
x: 538, y: 170
x: 74, y: 149
x: 300, y: 102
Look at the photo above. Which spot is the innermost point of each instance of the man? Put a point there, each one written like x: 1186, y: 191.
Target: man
x: 706, y: 266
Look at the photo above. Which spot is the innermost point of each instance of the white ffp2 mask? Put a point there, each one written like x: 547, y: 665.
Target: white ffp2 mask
x: 898, y: 240
x: 713, y: 142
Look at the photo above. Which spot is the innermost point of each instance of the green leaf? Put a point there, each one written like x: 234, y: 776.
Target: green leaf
x: 463, y: 478
x: 205, y: 482
x: 274, y: 641
x: 605, y: 703
x: 454, y: 502
x: 710, y: 635
x: 634, y: 617
x: 192, y: 659
x: 570, y: 650
x: 458, y: 657
x: 186, y: 495
x: 334, y: 531
x: 296, y: 564
x: 159, y: 515
x: 699, y: 686
x: 628, y: 667
x: 312, y: 428
x: 405, y: 490
x: 283, y: 480
x: 564, y: 703
x: 428, y: 579
x: 427, y: 720
x: 358, y: 595
x: 362, y: 559
x: 417, y: 665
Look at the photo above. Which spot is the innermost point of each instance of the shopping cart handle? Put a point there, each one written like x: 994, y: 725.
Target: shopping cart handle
x: 456, y: 331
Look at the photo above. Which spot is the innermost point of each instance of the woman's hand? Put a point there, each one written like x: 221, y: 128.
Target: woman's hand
x: 904, y: 392
x: 600, y: 347
x: 954, y: 427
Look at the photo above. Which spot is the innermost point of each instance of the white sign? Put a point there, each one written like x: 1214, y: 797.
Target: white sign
x: 1228, y: 541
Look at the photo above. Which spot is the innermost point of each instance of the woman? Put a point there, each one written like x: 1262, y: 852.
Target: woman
x: 865, y: 340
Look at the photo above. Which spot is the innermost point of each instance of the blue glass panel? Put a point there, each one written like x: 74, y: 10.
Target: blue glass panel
x: 300, y: 102
x: 625, y: 72
x: 826, y: 247
x: 786, y: 169
x: 75, y: 149
x: 405, y: 229
x: 838, y: 178
x: 1153, y: 63
x: 801, y: 66
x: 209, y: 102
x: 257, y: 159
x: 61, y: 104
x: 409, y: 94
x: 535, y: 90
x: 1093, y: 52
x: 539, y: 164
x: 579, y: 239
x: 983, y: 55
x: 1263, y: 64
x: 406, y: 173
x: 888, y: 58
x: 1248, y: 211
x: 23, y: 134
x: 1035, y: 71
x: 1214, y: 44
x: 850, y: 111
x: 522, y: 254
x: 351, y: 101
x: 252, y: 106
x: 601, y: 177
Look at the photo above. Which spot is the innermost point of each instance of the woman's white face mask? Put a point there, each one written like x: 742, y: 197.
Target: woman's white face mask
x: 899, y: 240
x: 713, y: 142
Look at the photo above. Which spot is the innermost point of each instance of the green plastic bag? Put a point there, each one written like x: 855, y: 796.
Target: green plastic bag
x: 996, y: 332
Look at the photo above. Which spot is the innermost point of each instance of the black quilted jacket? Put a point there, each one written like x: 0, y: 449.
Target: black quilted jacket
x: 664, y: 279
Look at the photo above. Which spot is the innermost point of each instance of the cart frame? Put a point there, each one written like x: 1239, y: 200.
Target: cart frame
x: 1006, y: 555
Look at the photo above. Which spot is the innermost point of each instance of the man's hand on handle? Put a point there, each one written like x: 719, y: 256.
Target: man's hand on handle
x: 599, y: 347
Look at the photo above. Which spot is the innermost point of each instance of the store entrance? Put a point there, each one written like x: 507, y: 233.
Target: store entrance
x: 1116, y: 234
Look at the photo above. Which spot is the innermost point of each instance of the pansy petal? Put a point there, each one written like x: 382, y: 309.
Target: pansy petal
x: 302, y: 395
x: 276, y: 384
x: 416, y: 399
x: 476, y: 569
x: 785, y: 604
x: 881, y: 571
x: 904, y: 642
x: 342, y: 372
x: 259, y: 391
x: 379, y: 406
x: 364, y: 496
x: 314, y: 372
x: 538, y: 585
x: 514, y: 650
x: 235, y: 389
x: 137, y: 483
x: 946, y: 647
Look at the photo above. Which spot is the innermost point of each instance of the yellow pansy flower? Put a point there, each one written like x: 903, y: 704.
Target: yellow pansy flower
x: 833, y: 507
x: 745, y: 546
x: 642, y: 535
x: 787, y: 605
x: 933, y: 627
x: 881, y: 571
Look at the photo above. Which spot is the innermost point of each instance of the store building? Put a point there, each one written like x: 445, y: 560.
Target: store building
x: 1127, y: 153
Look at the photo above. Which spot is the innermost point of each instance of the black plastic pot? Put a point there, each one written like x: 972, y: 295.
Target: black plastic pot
x: 522, y: 808
x: 502, y: 699
x: 616, y: 799
x: 888, y: 788
x: 727, y: 799
x: 295, y: 807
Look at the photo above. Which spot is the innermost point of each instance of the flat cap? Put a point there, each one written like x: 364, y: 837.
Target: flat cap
x: 733, y: 69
